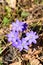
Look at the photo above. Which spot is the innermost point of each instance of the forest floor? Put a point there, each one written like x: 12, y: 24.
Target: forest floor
x: 30, y: 11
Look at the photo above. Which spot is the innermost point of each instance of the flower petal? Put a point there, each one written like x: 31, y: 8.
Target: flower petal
x: 26, y: 47
x: 34, y: 41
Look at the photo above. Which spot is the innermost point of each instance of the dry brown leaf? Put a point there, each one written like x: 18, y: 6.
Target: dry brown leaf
x: 0, y: 58
x: 12, y: 3
x: 34, y: 20
x: 1, y: 1
x: 40, y: 58
x: 16, y: 63
x: 26, y: 57
x: 1, y: 31
x: 34, y: 62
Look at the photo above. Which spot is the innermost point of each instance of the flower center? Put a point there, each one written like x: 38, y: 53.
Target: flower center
x: 23, y: 44
x: 12, y: 36
x: 30, y: 37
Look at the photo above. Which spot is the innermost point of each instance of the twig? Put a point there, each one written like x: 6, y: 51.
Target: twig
x: 34, y: 20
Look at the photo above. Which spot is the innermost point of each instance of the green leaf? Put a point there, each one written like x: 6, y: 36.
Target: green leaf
x: 0, y: 50
x: 28, y: 63
x: 1, y: 63
x: 36, y: 1
x: 24, y: 14
x: 8, y: 9
x: 42, y: 2
x: 5, y: 20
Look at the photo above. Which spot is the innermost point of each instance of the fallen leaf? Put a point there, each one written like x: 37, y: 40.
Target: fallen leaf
x: 11, y: 3
x: 16, y: 63
x: 35, y: 62
x: 1, y: 1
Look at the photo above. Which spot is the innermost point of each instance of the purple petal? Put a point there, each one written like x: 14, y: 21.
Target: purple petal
x: 9, y: 39
x: 13, y: 24
x: 30, y: 41
x: 20, y: 47
x: 36, y: 36
x: 27, y: 33
x: 34, y: 41
x: 34, y: 33
x: 26, y: 47
x: 17, y: 22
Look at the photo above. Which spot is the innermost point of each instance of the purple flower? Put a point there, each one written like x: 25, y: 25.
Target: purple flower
x: 31, y: 37
x: 16, y: 43
x: 18, y: 26
x: 23, y: 44
x: 12, y: 36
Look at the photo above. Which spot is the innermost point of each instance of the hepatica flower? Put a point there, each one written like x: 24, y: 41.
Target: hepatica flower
x: 31, y: 37
x: 12, y: 36
x: 16, y: 42
x: 21, y: 43
x: 18, y: 26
